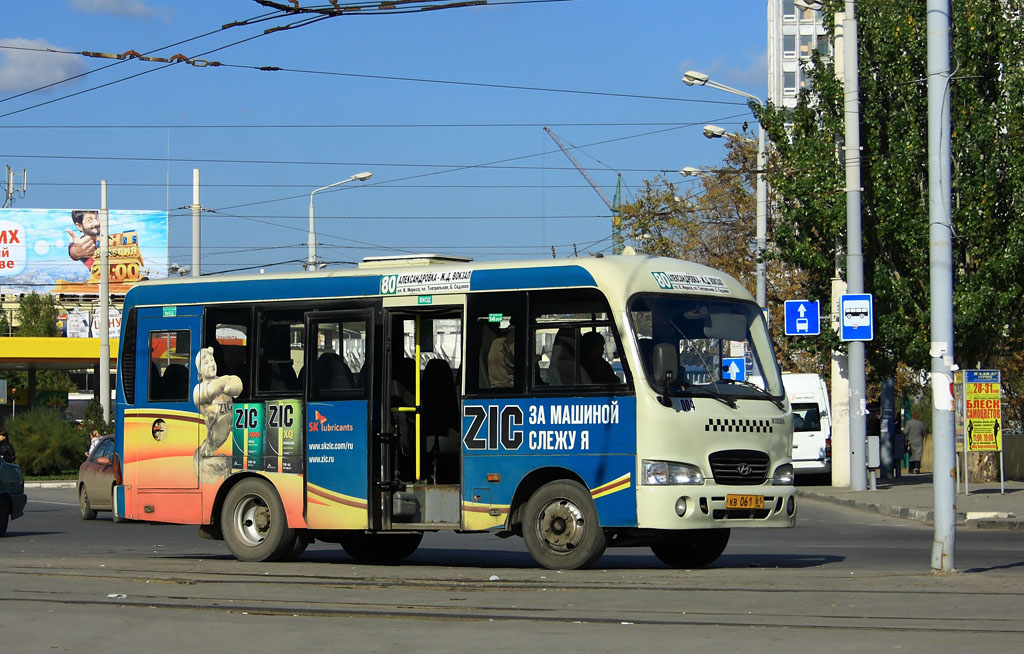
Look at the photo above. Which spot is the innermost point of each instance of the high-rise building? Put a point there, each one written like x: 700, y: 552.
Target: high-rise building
x: 794, y: 32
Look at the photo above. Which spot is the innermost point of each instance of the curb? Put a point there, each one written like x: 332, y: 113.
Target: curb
x: 967, y: 520
x: 51, y: 484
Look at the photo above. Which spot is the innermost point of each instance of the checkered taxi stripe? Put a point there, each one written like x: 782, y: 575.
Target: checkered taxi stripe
x: 743, y: 425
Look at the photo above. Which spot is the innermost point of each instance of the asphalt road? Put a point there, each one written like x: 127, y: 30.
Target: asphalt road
x: 842, y: 580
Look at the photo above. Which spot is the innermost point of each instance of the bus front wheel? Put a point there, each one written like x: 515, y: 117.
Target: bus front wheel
x: 561, y: 528
x: 691, y: 549
x: 253, y: 522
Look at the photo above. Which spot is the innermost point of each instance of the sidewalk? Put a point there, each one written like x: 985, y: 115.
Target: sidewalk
x: 911, y: 497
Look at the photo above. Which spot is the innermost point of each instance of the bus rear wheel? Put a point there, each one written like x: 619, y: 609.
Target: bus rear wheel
x: 691, y: 549
x: 253, y: 522
x: 561, y: 528
x: 380, y: 548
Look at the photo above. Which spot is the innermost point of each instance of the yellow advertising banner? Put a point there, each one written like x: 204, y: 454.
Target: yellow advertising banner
x: 982, y: 413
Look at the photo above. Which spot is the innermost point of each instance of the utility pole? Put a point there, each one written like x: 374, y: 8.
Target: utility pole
x: 940, y: 237
x: 9, y: 189
x: 196, y: 215
x: 104, y: 321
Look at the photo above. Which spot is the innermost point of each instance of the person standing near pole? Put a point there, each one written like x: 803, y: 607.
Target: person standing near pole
x: 915, y: 441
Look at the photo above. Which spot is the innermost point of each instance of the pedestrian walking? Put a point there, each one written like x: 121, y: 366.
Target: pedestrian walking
x: 915, y: 444
x: 6, y: 448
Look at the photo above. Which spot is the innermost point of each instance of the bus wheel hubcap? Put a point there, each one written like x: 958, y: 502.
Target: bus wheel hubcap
x: 562, y: 525
x: 253, y: 520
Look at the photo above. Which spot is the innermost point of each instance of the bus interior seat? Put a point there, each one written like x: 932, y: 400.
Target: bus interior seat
x: 174, y: 383
x: 440, y: 417
x: 562, y: 368
x: 487, y: 336
x: 278, y: 376
x: 331, y: 373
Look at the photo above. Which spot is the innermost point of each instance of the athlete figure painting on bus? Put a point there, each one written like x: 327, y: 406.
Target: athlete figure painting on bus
x: 214, y: 397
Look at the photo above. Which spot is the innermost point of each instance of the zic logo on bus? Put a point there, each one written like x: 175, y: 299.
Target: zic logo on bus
x: 499, y: 427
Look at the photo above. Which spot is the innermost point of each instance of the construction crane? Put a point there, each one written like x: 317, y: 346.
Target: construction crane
x: 613, y: 205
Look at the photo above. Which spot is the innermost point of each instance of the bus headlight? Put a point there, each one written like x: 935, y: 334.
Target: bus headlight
x: 784, y: 475
x: 669, y: 473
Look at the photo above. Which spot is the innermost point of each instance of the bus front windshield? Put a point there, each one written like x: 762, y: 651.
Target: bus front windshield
x: 723, y: 345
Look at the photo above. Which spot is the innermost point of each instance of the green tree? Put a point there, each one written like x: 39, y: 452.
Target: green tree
x: 37, y: 315
x: 714, y: 225
x: 93, y: 419
x: 987, y: 103
x: 46, y: 443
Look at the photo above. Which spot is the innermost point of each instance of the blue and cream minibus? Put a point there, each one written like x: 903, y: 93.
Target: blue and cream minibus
x: 579, y: 403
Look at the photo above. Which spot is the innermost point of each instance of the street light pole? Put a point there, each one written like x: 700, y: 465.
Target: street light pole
x: 311, y: 262
x: 691, y: 78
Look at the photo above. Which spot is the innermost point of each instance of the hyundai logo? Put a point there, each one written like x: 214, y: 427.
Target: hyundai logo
x: 744, y: 469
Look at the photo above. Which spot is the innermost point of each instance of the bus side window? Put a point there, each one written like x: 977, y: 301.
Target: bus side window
x: 228, y: 332
x: 340, y: 354
x: 281, y: 351
x: 495, y: 348
x: 169, y: 365
x: 574, y: 341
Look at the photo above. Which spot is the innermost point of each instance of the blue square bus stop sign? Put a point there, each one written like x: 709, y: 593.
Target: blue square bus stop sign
x: 856, y: 317
x: 803, y: 318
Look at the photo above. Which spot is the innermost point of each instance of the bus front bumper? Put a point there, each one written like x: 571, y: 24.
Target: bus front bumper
x: 710, y: 506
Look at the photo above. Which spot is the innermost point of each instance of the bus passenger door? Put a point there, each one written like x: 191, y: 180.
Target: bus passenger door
x: 421, y: 440
x: 339, y: 379
x: 163, y: 430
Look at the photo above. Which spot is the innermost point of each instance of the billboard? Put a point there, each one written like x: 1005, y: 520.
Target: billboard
x: 55, y: 250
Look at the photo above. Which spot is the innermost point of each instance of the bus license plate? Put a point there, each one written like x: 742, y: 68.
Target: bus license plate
x: 744, y: 501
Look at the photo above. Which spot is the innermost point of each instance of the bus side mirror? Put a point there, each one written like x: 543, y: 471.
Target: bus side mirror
x: 666, y: 364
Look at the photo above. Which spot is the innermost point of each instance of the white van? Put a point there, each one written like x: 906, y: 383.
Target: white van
x: 812, y: 425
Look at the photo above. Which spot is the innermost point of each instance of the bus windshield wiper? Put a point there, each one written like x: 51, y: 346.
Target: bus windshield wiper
x: 765, y: 394
x: 724, y: 399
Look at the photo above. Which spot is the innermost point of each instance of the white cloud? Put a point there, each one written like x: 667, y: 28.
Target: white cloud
x: 22, y: 70
x: 133, y: 8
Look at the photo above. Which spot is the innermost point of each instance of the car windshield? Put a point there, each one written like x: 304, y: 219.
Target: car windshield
x: 723, y: 345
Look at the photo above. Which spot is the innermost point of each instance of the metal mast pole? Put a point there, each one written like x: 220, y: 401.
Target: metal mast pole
x: 196, y: 213
x: 104, y: 320
x: 940, y: 237
x: 854, y: 245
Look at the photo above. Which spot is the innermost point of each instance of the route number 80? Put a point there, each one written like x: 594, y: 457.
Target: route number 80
x: 389, y: 284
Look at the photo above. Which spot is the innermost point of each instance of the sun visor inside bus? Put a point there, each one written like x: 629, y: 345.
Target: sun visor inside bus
x: 727, y: 326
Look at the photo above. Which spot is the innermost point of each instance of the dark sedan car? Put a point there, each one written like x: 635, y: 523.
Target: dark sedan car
x: 96, y: 480
x: 12, y: 494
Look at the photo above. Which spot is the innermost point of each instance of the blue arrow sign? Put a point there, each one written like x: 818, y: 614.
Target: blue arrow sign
x: 856, y: 317
x: 803, y: 318
x: 735, y: 368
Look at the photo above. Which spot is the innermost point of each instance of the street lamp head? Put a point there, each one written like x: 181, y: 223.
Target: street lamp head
x: 714, y: 131
x: 690, y: 171
x: 362, y: 177
x: 692, y: 77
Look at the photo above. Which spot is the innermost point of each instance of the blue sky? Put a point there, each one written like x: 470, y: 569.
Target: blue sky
x: 458, y: 166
